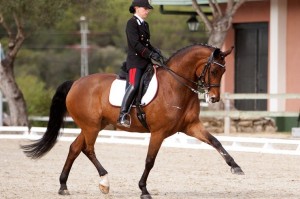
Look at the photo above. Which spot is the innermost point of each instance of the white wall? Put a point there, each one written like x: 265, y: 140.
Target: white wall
x: 277, y: 67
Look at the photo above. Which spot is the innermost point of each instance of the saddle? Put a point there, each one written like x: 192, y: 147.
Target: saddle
x: 146, y: 93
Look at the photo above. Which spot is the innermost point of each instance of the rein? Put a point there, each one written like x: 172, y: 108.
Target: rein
x: 201, y: 78
x: 177, y: 77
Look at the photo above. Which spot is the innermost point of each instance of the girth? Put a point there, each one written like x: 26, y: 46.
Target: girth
x: 144, y: 84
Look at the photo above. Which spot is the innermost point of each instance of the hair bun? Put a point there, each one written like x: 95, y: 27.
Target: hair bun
x: 131, y: 9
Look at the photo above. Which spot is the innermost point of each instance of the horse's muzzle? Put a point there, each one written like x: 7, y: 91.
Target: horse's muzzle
x: 214, y: 99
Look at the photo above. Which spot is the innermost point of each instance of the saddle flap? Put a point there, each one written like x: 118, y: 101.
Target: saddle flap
x: 118, y: 86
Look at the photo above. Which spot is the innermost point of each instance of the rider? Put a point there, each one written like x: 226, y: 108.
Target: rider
x: 140, y: 53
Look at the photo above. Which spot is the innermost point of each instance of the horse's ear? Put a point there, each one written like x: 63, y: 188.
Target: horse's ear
x: 216, y: 52
x: 224, y: 54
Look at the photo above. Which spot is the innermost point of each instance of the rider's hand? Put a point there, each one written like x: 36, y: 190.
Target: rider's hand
x: 155, y: 56
x: 157, y: 50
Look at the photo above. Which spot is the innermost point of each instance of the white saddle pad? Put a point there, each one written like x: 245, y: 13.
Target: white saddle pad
x: 117, y: 91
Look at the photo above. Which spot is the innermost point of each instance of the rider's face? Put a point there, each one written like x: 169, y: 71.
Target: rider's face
x: 142, y: 12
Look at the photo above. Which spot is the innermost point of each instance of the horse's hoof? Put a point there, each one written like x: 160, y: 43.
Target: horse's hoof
x: 104, y: 189
x: 146, y: 196
x: 237, y: 171
x: 104, y: 184
x: 63, y: 192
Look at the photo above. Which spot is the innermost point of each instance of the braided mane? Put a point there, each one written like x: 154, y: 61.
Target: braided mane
x: 187, y: 47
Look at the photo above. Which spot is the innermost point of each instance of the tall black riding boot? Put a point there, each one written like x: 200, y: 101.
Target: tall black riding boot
x: 124, y: 118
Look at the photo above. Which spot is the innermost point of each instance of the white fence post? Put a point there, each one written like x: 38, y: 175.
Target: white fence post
x: 84, y: 47
x: 227, y: 114
x: 1, y: 97
x: 1, y: 109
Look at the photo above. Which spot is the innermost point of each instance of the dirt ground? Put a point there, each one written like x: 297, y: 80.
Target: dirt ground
x: 177, y: 174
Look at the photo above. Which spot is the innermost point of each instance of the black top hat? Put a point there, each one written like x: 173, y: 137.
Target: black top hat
x: 140, y: 3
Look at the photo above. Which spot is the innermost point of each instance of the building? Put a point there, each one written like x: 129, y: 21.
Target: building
x: 265, y: 59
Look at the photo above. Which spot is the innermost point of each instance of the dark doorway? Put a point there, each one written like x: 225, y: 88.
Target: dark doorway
x: 251, y: 63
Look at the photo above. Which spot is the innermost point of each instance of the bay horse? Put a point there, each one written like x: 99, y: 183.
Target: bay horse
x: 175, y: 108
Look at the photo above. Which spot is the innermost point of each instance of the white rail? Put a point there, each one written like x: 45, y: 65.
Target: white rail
x: 228, y: 114
x: 1, y: 107
x: 179, y: 140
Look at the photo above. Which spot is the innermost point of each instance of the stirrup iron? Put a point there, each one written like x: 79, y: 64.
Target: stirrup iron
x: 126, y: 118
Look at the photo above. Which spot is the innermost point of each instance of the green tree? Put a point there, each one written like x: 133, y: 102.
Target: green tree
x: 37, y: 96
x: 19, y: 18
x: 54, y: 53
x: 48, y: 33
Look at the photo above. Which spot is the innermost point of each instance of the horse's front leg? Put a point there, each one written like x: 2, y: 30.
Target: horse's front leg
x: 199, y: 132
x: 153, y: 148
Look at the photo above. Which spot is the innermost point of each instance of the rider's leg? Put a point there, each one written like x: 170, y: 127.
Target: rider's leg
x: 135, y: 75
x: 127, y: 100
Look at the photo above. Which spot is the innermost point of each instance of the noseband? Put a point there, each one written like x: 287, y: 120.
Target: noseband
x: 207, y: 85
x: 201, y: 84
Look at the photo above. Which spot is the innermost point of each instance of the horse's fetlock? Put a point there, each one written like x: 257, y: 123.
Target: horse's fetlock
x: 63, y: 187
x: 63, y: 179
x: 231, y: 162
x: 142, y: 185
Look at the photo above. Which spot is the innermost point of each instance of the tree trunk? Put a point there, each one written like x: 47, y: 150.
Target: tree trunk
x: 217, y: 38
x: 13, y: 95
x: 218, y: 33
x: 218, y: 25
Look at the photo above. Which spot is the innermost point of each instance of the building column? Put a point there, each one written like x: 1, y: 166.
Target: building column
x: 277, y: 67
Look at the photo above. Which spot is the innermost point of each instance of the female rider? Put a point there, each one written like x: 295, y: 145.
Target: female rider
x: 140, y: 53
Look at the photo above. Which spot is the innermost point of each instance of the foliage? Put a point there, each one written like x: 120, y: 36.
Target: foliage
x: 107, y: 23
x: 18, y: 19
x: 51, y: 51
x: 39, y: 11
x: 54, y: 53
x: 37, y: 97
x: 58, y: 66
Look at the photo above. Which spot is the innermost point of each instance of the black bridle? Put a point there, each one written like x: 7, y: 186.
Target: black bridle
x: 207, y: 85
x: 201, y: 84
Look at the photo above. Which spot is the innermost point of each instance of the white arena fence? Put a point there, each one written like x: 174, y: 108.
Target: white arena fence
x: 227, y: 114
x: 179, y: 140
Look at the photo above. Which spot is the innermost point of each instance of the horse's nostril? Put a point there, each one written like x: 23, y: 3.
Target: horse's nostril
x: 214, y: 99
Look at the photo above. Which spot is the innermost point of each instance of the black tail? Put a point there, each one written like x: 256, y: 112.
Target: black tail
x: 58, y: 110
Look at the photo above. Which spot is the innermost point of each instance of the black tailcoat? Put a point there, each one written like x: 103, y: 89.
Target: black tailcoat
x: 138, y: 40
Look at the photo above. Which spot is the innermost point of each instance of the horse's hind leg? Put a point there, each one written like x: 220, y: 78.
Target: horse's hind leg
x: 89, y: 151
x: 75, y: 149
x: 86, y: 145
x: 199, y: 132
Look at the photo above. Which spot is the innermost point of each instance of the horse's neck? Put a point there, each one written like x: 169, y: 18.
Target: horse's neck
x: 184, y: 67
x: 185, y: 64
x: 174, y: 93
x: 179, y: 79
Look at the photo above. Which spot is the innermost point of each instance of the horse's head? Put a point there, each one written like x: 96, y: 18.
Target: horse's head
x: 208, y: 65
x: 210, y: 74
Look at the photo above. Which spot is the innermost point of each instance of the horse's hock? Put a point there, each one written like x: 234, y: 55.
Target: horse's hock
x: 249, y: 125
